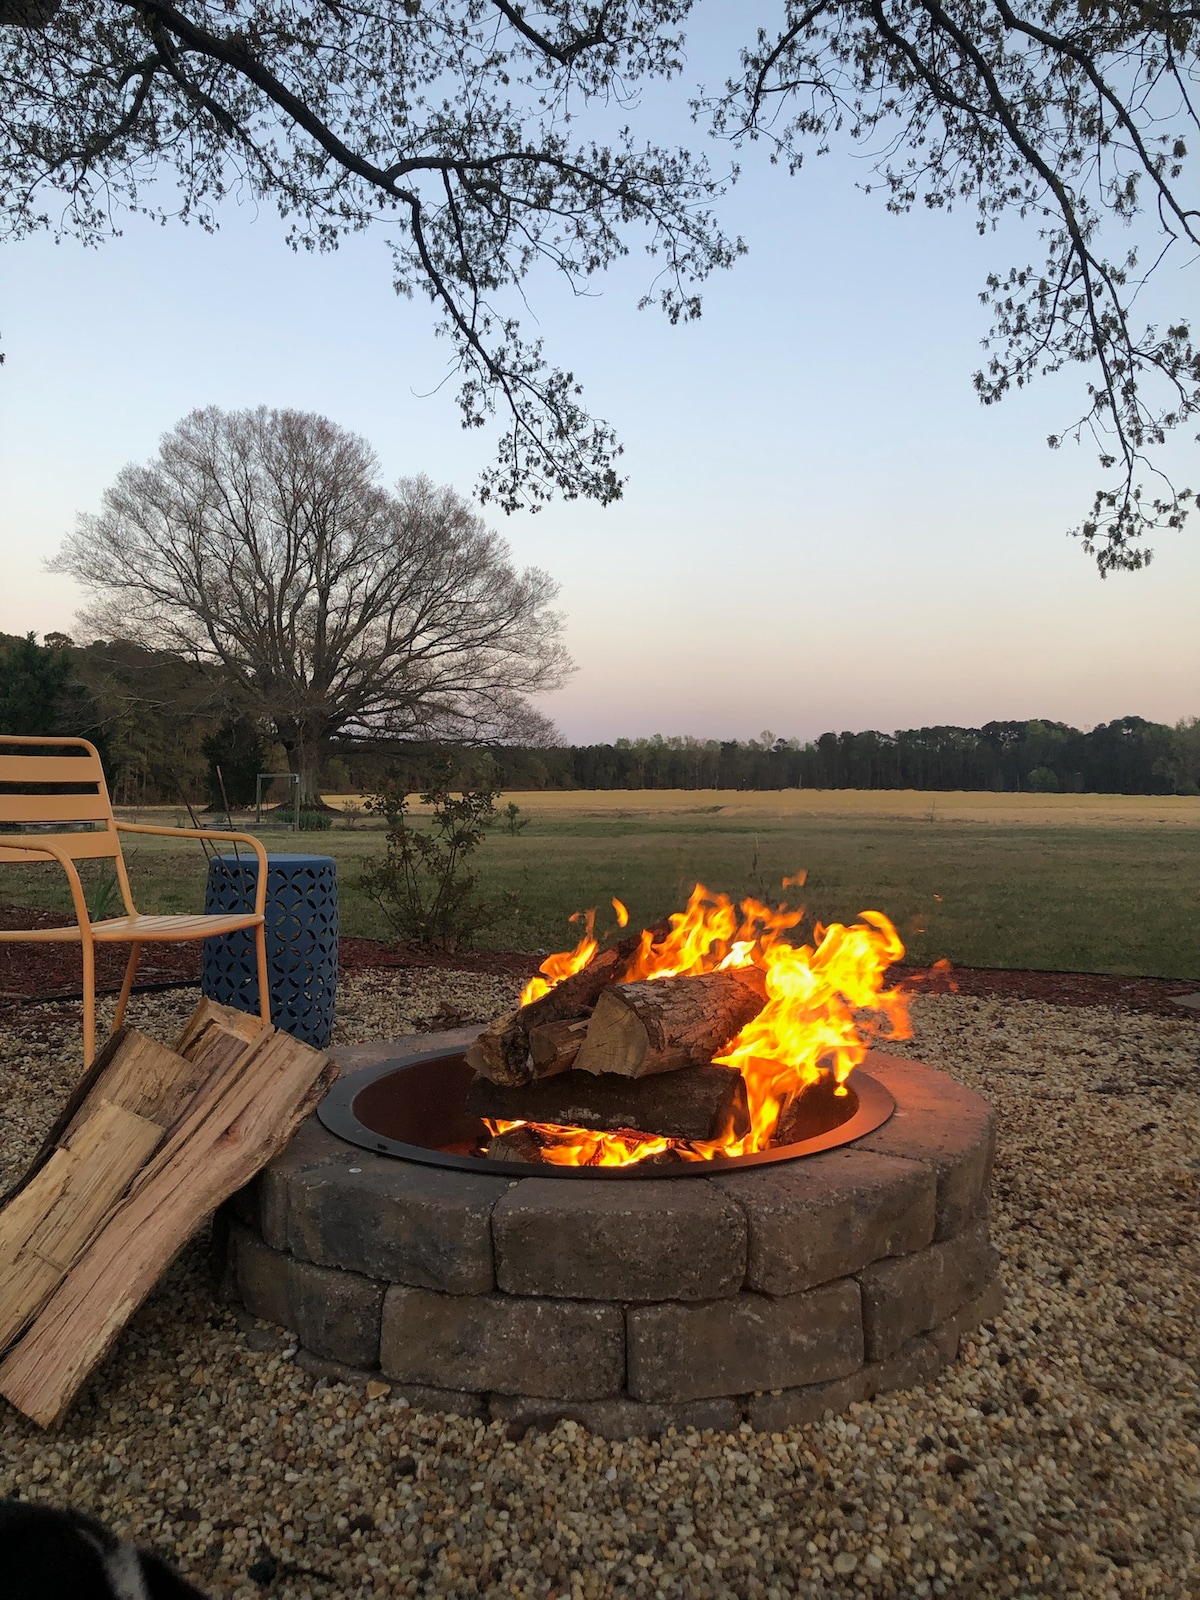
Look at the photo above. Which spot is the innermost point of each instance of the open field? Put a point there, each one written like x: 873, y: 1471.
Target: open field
x: 879, y: 805
x: 1098, y: 883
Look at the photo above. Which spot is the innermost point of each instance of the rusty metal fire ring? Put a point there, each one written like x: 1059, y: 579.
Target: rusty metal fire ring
x: 422, y: 1097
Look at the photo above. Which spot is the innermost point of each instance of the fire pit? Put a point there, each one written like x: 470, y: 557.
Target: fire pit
x: 416, y: 1108
x: 834, y: 1249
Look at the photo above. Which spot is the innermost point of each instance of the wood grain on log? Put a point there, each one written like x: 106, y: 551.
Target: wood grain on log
x: 518, y: 1144
x: 147, y: 1078
x: 502, y: 1051
x: 702, y: 1104
x: 224, y: 1137
x: 554, y: 1046
x: 47, y: 1225
x: 665, y: 1024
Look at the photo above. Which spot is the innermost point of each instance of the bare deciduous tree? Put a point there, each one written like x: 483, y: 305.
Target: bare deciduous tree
x: 495, y: 137
x: 264, y: 541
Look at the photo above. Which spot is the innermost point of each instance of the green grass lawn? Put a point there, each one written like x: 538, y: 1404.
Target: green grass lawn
x: 1055, y: 892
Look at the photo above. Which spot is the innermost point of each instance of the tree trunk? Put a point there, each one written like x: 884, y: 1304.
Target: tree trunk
x: 304, y: 752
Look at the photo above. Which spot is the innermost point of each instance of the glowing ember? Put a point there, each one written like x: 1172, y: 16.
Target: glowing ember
x: 825, y: 1001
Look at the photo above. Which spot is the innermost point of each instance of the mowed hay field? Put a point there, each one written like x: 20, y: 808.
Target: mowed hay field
x: 1096, y: 883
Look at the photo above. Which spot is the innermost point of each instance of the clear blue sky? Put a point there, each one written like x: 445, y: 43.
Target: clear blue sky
x: 822, y: 528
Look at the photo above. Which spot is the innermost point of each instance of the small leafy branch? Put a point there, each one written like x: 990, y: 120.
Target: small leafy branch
x: 511, y: 819
x: 424, y: 885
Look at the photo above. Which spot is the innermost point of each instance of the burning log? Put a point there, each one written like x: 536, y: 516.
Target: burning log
x: 640, y: 1029
x: 503, y: 1052
x: 705, y: 1103
x: 554, y: 1046
x: 518, y: 1144
x: 817, y: 1107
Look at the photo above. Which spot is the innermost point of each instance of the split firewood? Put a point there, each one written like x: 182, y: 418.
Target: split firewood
x: 209, y: 1013
x: 47, y: 1225
x: 147, y: 1078
x: 639, y: 1029
x: 706, y: 1103
x: 256, y: 1093
x: 503, y: 1050
x: 554, y: 1046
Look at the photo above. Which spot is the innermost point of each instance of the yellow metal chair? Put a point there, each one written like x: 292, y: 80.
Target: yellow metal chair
x: 74, y: 822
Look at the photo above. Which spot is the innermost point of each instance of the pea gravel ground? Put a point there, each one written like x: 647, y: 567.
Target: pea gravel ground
x: 1057, y: 1457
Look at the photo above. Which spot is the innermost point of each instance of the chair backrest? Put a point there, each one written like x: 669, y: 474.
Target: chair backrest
x: 60, y: 798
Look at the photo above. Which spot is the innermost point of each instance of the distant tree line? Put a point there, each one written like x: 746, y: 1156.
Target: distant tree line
x: 164, y: 724
x: 1127, y: 756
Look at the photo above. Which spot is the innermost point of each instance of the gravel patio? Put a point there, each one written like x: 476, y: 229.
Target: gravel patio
x: 1057, y: 1456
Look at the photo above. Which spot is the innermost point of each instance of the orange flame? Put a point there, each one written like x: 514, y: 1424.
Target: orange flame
x: 558, y: 967
x: 825, y: 1001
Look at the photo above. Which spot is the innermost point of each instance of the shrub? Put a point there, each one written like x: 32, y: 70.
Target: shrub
x: 423, y: 885
x: 511, y: 819
x: 315, y: 821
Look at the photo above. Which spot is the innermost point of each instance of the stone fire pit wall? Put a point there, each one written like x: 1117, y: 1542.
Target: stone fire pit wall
x: 771, y: 1294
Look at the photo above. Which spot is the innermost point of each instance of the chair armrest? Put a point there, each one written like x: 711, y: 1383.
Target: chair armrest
x: 260, y: 893
x: 64, y: 860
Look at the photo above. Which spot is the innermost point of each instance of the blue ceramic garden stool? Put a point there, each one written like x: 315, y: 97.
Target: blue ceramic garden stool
x: 302, y: 941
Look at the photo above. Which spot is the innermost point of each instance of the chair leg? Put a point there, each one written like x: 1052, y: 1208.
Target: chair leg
x: 264, y: 986
x: 135, y: 951
x: 89, y: 1002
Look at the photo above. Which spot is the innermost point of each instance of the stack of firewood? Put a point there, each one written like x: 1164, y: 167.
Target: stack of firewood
x: 635, y: 1057
x: 152, y: 1140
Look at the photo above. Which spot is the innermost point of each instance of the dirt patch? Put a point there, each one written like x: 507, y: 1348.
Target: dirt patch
x: 32, y: 972
x: 1113, y: 990
x: 51, y: 971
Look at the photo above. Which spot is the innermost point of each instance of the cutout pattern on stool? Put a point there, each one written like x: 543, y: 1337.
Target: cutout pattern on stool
x: 302, y: 942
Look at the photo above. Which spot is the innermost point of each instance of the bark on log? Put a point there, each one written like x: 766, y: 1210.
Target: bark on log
x: 639, y: 1029
x: 502, y: 1051
x: 702, y: 1104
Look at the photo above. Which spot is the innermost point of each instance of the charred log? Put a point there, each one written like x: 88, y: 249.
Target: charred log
x: 815, y: 1111
x: 706, y: 1103
x: 518, y: 1144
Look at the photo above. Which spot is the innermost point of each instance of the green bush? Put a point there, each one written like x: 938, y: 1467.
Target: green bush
x: 315, y: 821
x: 1043, y: 780
x: 423, y: 885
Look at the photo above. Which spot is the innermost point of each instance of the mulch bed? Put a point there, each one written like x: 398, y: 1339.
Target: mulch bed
x: 36, y: 972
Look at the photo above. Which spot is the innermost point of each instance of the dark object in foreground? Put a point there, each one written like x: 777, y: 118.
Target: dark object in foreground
x: 46, y: 1553
x: 704, y: 1103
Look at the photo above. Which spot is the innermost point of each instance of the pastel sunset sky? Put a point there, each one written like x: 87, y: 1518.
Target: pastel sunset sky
x: 822, y: 527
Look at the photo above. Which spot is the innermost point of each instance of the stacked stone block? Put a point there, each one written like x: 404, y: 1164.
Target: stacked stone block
x: 770, y: 1293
